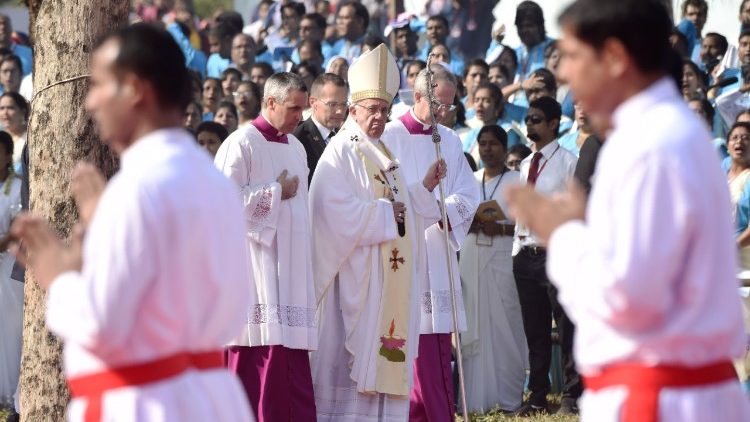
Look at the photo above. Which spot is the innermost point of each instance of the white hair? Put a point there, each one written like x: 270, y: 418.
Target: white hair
x: 281, y: 85
x: 439, y: 74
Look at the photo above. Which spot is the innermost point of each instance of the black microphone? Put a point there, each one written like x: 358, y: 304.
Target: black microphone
x: 721, y: 83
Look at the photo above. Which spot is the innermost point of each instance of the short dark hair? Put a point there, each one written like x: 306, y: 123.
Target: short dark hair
x: 212, y: 127
x: 254, y: 88
x: 440, y: 18
x: 152, y: 54
x: 643, y: 27
x: 499, y: 133
x: 232, y: 18
x: 265, y: 67
x: 6, y: 141
x: 495, y: 92
x: 548, y: 78
x: 737, y: 125
x: 228, y: 105
x: 550, y: 107
x: 700, y: 4
x: 19, y: 101
x: 305, y: 64
x: 319, y: 20
x: 298, y: 8
x: 503, y: 70
x: 528, y: 10
x: 12, y: 58
x: 436, y: 45
x: 720, y: 40
x: 702, y: 76
x: 411, y: 63
x: 231, y: 71
x: 372, y: 41
x: 360, y: 11
x: 224, y: 30
x: 326, y: 78
x: 521, y: 150
x: 476, y: 62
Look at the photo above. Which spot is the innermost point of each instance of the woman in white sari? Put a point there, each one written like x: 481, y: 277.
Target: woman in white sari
x: 11, y: 291
x: 494, y: 347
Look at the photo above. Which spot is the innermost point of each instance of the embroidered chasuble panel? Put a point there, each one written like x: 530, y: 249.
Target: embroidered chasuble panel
x: 392, y: 369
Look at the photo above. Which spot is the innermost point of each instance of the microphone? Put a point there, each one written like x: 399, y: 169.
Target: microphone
x: 721, y: 83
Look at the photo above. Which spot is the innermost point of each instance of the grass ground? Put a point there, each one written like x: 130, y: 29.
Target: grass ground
x: 494, y: 416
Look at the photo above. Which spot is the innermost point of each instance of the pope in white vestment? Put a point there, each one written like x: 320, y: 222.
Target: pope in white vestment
x: 363, y: 367
x: 410, y: 139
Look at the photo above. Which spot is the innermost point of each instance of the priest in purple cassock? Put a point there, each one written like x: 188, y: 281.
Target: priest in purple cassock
x: 269, y: 166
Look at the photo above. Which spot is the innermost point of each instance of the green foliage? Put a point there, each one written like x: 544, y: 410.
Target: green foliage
x: 206, y: 8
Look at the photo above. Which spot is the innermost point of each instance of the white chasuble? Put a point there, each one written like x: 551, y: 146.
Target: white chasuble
x: 282, y: 310
x: 354, y: 227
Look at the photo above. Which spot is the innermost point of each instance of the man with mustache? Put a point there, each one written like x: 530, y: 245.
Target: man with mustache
x: 548, y: 169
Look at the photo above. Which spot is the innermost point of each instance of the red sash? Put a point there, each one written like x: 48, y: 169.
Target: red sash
x: 644, y: 383
x: 93, y: 386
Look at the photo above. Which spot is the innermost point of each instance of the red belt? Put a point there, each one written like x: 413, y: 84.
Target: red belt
x: 93, y: 386
x: 644, y: 383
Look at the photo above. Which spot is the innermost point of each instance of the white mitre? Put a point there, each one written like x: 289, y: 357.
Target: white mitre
x: 374, y: 75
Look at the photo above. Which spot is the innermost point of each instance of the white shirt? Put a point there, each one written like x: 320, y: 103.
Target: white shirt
x: 163, y: 272
x: 324, y: 131
x: 649, y: 277
x: 556, y: 168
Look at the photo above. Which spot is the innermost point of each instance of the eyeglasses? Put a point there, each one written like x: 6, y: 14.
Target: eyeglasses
x: 533, y: 120
x: 740, y: 138
x: 333, y: 105
x: 443, y: 107
x: 373, y: 110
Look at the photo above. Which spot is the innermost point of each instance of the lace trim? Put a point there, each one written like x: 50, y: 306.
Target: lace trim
x: 262, y: 210
x: 463, y: 211
x: 438, y: 301
x: 291, y: 316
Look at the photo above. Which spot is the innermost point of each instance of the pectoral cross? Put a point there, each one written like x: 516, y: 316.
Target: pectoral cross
x: 395, y: 260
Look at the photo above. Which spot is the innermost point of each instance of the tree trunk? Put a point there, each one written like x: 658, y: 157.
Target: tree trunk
x: 60, y: 133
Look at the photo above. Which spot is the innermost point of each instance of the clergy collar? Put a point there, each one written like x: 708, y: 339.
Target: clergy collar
x: 269, y: 132
x: 632, y: 109
x: 413, y: 125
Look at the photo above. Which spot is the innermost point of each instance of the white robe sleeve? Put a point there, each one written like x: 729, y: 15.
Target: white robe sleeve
x: 462, y: 197
x: 342, y: 219
x: 91, y: 308
x: 424, y: 203
x: 261, y: 199
x: 615, y: 284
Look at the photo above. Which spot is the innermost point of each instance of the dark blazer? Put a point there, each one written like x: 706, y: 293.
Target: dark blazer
x: 310, y: 137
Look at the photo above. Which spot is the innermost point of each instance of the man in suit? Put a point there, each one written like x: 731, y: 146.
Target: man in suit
x: 328, y: 104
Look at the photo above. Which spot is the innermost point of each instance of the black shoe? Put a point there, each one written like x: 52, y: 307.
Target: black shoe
x: 529, y: 409
x: 568, y: 407
x: 14, y: 417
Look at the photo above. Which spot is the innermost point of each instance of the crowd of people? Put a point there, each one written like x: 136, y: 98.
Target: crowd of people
x: 321, y: 113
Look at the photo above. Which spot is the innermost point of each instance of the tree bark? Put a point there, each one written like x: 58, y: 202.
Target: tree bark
x: 60, y: 133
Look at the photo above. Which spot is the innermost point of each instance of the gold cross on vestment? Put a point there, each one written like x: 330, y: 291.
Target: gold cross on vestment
x: 395, y: 259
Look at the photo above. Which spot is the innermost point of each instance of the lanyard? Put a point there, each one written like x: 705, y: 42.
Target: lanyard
x: 484, y: 192
x: 539, y: 173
